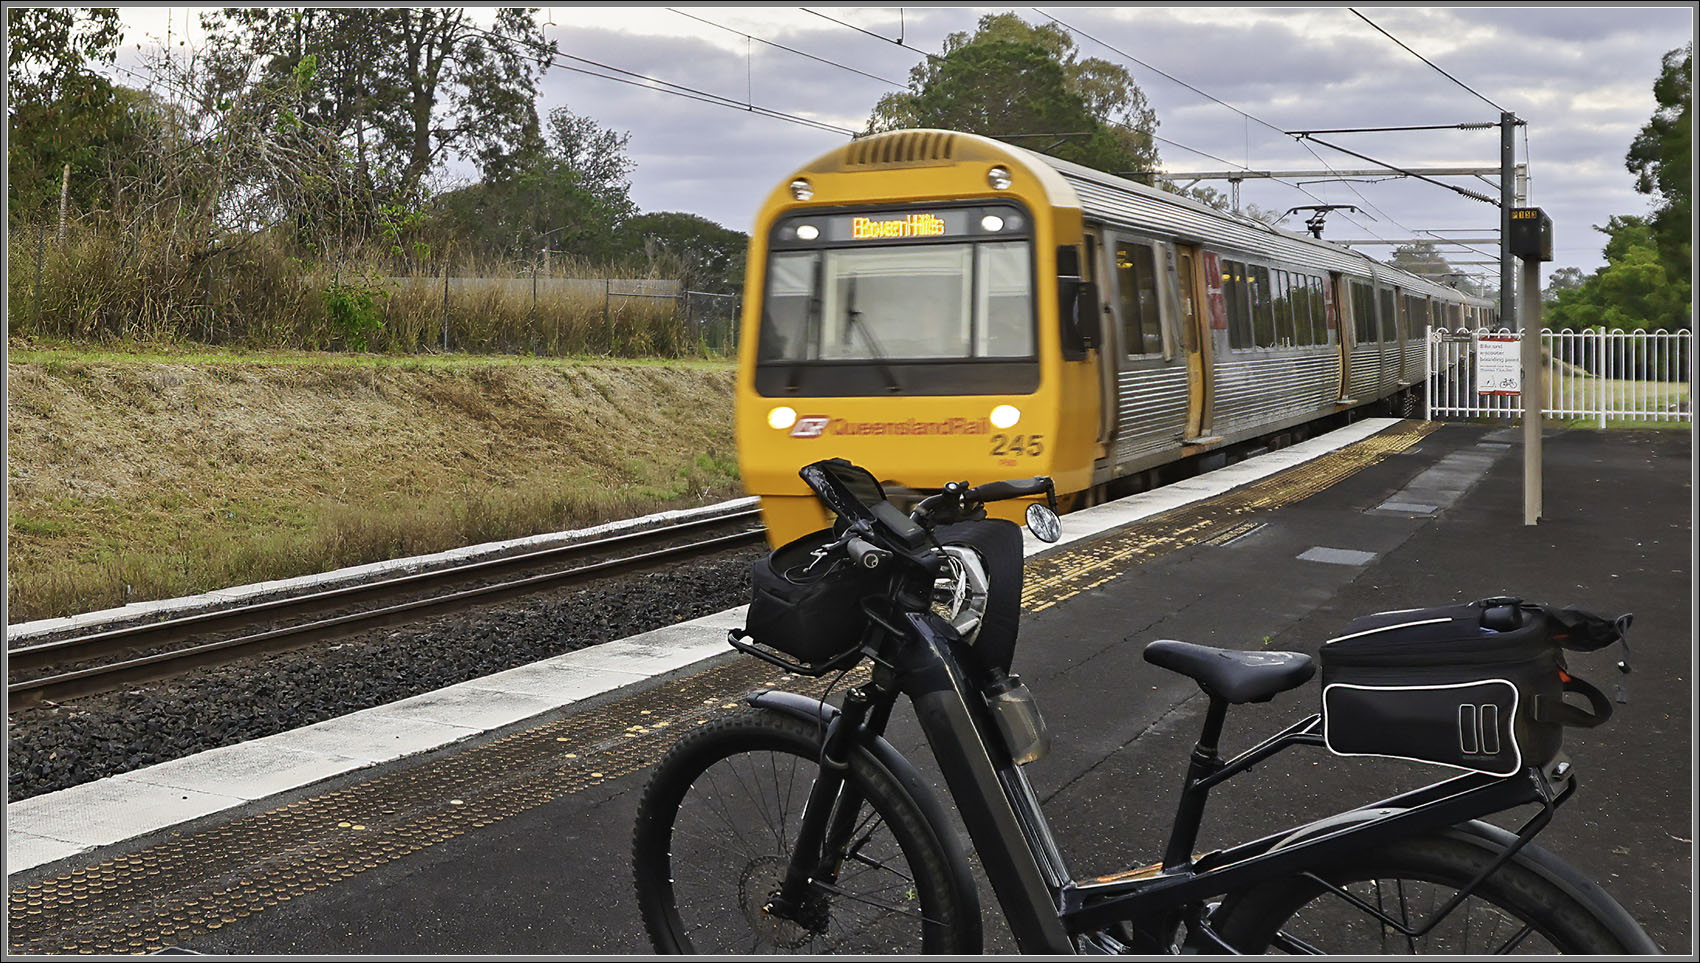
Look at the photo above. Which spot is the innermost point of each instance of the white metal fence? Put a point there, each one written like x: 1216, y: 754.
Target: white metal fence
x: 1599, y: 376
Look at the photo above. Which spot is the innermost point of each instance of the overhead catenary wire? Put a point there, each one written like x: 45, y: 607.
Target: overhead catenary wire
x: 780, y: 46
x: 1250, y: 117
x: 1208, y: 96
x: 1425, y: 60
x: 645, y: 81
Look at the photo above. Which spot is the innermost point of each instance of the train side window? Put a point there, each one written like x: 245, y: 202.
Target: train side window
x: 1319, y: 314
x: 1304, y: 326
x: 1388, y: 316
x: 1262, y: 309
x: 1363, y: 311
x: 1280, y: 284
x: 1136, y: 273
x: 1233, y: 293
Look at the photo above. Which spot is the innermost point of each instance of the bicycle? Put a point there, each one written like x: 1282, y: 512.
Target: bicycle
x: 791, y: 825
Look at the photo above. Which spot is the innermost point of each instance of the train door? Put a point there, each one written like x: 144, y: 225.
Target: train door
x: 1402, y: 335
x: 1097, y: 271
x: 1195, y: 338
x: 1333, y: 297
x: 1152, y: 389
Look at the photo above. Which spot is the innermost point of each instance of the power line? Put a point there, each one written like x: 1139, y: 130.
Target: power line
x: 899, y: 41
x: 1428, y: 61
x: 1249, y: 116
x: 800, y: 53
x: 645, y: 81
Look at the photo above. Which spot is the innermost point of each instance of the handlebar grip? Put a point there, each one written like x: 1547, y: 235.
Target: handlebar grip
x: 1015, y: 488
x: 865, y: 554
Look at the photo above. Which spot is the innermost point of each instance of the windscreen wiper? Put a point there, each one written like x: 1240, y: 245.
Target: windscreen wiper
x: 853, y: 317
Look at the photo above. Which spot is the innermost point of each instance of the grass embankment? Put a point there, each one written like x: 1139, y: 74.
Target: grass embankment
x: 140, y: 474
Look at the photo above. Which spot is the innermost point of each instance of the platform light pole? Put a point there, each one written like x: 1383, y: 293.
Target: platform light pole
x: 1530, y: 240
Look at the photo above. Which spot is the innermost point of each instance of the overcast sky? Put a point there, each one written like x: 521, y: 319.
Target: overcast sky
x: 1581, y: 76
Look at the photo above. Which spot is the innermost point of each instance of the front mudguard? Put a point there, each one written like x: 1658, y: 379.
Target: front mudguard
x: 884, y: 754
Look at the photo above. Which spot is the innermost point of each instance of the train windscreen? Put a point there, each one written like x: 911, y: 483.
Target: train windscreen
x: 900, y: 303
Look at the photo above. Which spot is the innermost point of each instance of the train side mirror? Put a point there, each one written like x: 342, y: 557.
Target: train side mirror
x: 1077, y: 306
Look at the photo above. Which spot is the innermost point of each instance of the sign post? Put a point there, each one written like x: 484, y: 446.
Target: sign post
x: 1531, y: 243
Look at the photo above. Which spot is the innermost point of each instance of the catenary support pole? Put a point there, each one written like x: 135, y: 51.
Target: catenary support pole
x: 1507, y: 200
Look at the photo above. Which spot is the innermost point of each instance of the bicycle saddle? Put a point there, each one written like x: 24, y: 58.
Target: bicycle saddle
x: 1228, y: 674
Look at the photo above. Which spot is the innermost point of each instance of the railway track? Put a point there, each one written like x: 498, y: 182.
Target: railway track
x: 99, y: 662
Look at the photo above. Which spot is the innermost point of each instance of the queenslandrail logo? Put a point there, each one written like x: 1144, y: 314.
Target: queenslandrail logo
x: 814, y: 426
x: 915, y: 225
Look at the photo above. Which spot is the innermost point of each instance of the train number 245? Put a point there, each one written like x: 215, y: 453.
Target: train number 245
x: 1006, y: 445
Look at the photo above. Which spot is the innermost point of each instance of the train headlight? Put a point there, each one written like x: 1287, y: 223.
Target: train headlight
x: 782, y: 417
x: 991, y: 223
x: 1005, y: 416
x: 802, y: 190
x: 999, y: 178
x: 807, y: 232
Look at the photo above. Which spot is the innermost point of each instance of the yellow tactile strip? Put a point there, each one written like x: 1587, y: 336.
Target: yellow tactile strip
x: 200, y: 881
x: 1050, y: 580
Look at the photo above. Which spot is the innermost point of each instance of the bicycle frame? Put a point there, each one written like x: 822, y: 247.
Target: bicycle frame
x: 1047, y: 909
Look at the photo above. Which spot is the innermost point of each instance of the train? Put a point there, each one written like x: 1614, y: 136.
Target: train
x: 940, y: 306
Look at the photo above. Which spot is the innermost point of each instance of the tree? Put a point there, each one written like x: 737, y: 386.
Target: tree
x: 1562, y: 280
x: 1633, y: 291
x: 405, y: 87
x: 1661, y: 158
x: 1420, y: 258
x: 60, y: 113
x: 569, y: 193
x: 712, y: 257
x: 47, y: 49
x: 1013, y: 81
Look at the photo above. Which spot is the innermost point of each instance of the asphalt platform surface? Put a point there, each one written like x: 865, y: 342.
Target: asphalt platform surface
x: 547, y: 871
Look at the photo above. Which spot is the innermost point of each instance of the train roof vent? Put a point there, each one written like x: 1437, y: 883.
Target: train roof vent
x: 919, y: 148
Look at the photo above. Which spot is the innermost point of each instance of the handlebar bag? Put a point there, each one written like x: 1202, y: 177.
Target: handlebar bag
x: 1477, y: 686
x: 807, y: 602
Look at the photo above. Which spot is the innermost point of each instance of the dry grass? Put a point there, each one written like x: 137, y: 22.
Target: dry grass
x: 103, y: 285
x: 136, y: 476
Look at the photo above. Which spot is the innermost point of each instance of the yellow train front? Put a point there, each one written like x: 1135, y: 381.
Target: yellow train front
x: 896, y: 314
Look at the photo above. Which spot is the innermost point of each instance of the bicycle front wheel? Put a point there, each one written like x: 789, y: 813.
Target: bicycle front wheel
x: 716, y: 828
x: 1394, y: 900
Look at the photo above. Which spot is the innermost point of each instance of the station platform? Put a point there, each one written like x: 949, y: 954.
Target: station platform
x: 497, y: 818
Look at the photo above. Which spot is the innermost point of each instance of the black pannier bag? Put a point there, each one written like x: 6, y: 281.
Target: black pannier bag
x: 806, y: 602
x: 1477, y: 686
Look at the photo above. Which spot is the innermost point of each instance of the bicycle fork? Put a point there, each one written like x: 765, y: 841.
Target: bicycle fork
x: 824, y: 838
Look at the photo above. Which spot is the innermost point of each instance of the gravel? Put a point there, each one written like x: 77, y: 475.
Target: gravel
x: 53, y: 747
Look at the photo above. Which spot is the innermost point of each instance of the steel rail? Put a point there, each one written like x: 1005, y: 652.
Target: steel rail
x: 148, y: 668
x: 134, y: 638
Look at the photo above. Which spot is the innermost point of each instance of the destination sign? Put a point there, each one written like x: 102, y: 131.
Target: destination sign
x: 932, y: 224
x: 914, y: 225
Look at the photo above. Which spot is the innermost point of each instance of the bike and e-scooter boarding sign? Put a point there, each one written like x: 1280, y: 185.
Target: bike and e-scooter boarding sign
x: 1499, y: 369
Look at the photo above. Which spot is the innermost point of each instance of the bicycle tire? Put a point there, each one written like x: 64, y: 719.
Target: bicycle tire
x: 711, y: 845
x: 1518, y: 909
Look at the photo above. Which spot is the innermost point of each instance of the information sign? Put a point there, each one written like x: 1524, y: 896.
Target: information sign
x: 1499, y: 370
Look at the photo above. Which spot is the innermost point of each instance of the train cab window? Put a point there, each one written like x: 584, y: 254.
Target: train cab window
x: 1005, y: 302
x: 1136, y: 286
x: 790, y: 309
